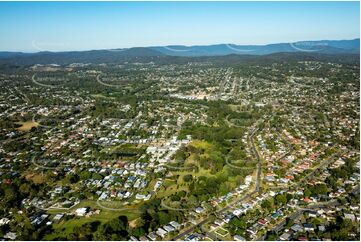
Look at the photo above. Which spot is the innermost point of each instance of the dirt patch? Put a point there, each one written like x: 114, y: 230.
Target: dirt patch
x: 133, y: 223
x: 36, y: 178
x: 26, y: 126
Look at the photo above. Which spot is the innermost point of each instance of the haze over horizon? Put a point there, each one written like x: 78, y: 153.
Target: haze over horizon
x: 68, y: 26
x: 175, y: 45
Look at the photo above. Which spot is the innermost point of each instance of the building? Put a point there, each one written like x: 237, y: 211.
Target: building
x: 161, y: 232
x: 238, y: 238
x: 168, y: 228
x: 152, y: 236
x: 175, y: 225
x: 81, y: 211
x: 286, y: 237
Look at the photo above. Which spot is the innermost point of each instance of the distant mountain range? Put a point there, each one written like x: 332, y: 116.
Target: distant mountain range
x: 330, y: 47
x: 322, y: 46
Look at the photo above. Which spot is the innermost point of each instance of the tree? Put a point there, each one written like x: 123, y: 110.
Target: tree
x: 85, y: 175
x: 138, y: 231
x: 10, y: 194
x: 72, y: 178
x: 239, y: 223
x: 115, y: 229
x: 307, y: 193
x: 281, y: 199
x: 182, y: 193
x: 175, y: 197
x: 97, y: 176
x: 164, y: 217
x: 85, y: 232
x: 187, y: 178
x: 25, y: 188
x: 267, y: 204
x: 320, y: 189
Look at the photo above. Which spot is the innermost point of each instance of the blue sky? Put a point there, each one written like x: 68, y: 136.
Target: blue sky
x: 59, y: 26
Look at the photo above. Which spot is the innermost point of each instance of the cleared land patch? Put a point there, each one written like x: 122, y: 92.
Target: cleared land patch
x: 27, y: 125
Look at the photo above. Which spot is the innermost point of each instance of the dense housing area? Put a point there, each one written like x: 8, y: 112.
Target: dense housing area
x: 193, y: 149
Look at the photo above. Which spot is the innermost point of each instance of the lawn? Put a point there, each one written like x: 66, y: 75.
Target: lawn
x: 235, y: 108
x: 168, y: 187
x: 67, y: 227
x: 201, y: 144
x: 221, y: 231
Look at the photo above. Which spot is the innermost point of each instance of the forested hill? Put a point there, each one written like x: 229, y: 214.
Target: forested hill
x: 344, y: 50
x: 92, y: 56
x: 322, y: 46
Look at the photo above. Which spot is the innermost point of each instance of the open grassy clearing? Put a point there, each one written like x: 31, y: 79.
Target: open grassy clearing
x: 26, y: 126
x: 200, y: 144
x: 190, y: 161
x: 234, y: 107
x: 221, y: 231
x: 35, y: 177
x: 104, y: 216
x: 168, y: 187
x: 101, y: 96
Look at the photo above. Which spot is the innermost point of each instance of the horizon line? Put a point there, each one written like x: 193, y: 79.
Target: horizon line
x: 170, y: 45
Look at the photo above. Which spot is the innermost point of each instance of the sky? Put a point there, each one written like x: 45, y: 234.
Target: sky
x: 62, y: 26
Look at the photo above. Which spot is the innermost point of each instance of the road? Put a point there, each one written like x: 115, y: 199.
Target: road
x: 184, y: 233
x: 259, y: 162
x: 257, y: 189
x: 23, y: 96
x: 225, y: 80
x: 300, y: 211
x: 297, y: 213
x: 311, y: 207
x: 312, y: 173
x: 209, y: 234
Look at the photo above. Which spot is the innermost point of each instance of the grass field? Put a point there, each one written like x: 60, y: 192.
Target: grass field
x: 35, y: 177
x: 26, y: 126
x: 66, y: 227
x: 101, y: 96
x: 201, y: 144
x: 221, y: 231
x: 168, y: 187
x: 235, y: 107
